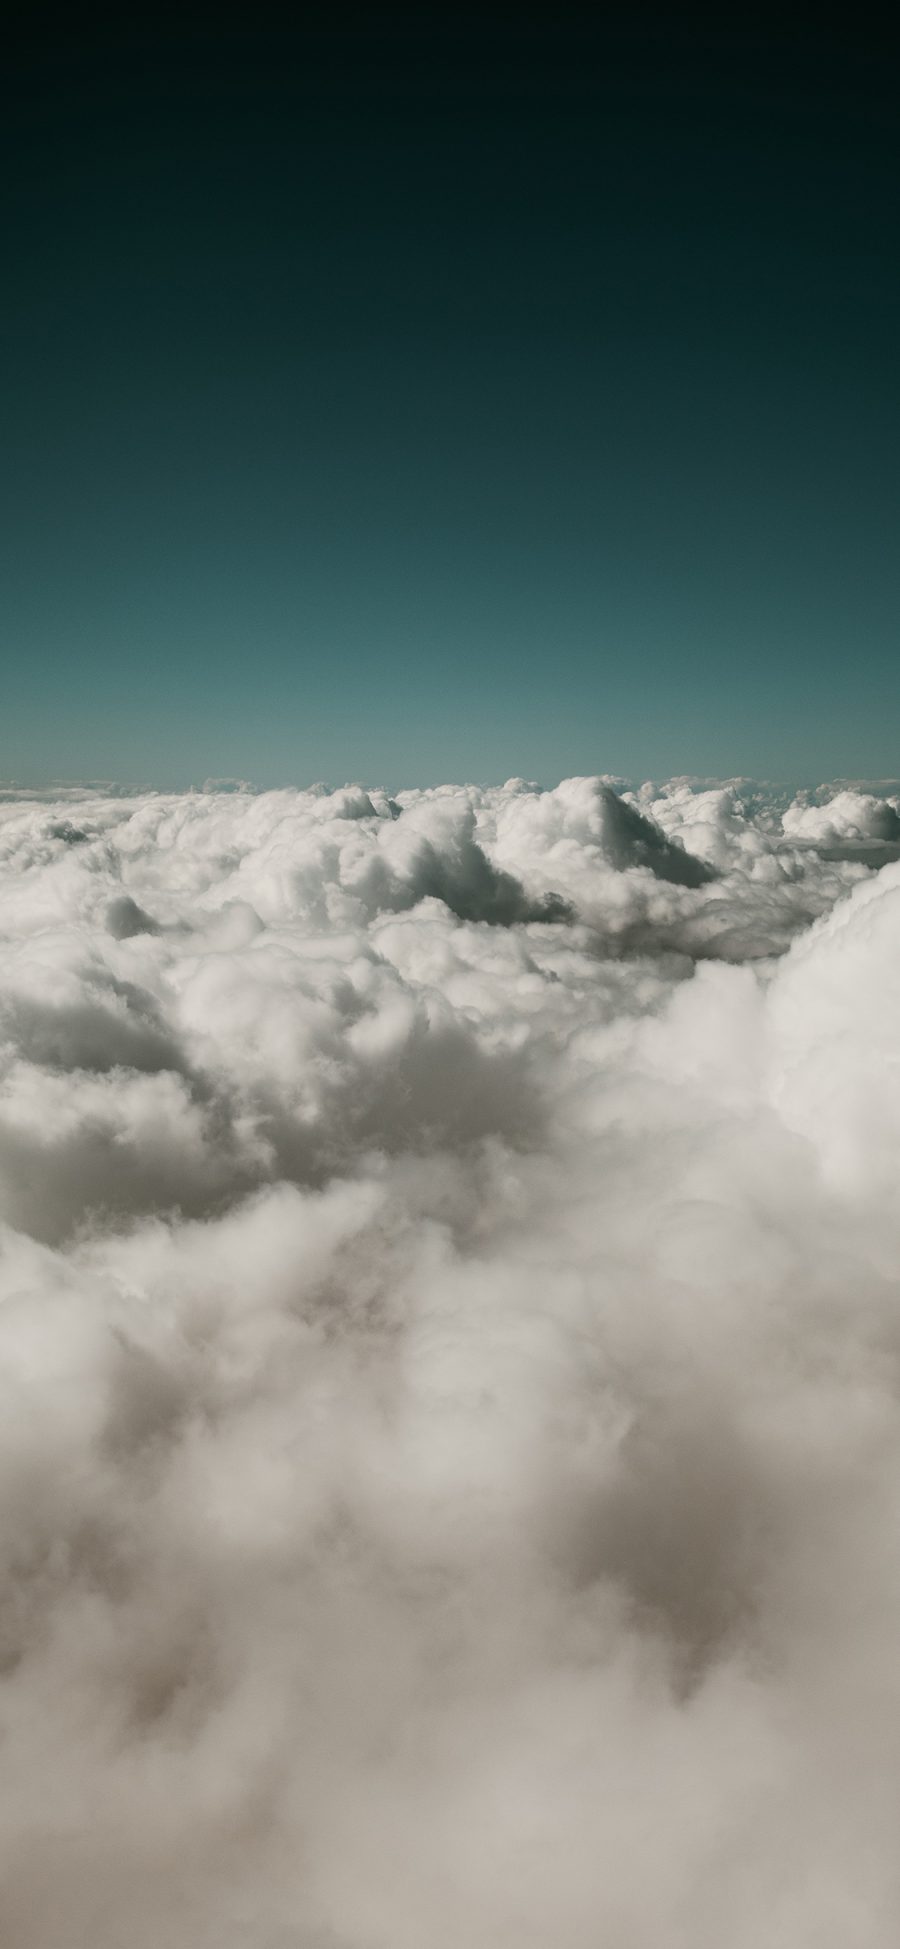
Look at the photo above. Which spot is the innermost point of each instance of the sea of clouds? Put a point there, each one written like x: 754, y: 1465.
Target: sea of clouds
x: 450, y: 1369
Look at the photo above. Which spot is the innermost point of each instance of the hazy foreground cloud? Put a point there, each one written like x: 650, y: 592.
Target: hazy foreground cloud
x: 450, y: 1370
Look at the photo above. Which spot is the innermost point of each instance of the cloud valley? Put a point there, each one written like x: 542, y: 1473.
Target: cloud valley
x: 450, y: 1358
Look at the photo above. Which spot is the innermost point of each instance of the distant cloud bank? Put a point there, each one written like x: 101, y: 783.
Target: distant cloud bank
x: 450, y: 1368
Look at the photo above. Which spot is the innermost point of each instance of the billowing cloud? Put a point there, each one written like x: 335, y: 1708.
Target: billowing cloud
x: 833, y: 819
x: 450, y: 1370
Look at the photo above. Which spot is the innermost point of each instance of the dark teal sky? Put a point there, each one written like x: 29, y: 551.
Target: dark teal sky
x: 405, y: 400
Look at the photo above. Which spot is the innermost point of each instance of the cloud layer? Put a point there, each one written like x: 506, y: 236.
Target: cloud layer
x: 450, y: 1359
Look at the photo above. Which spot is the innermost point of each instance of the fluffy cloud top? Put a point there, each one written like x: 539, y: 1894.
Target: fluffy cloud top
x: 450, y: 1359
x: 843, y: 815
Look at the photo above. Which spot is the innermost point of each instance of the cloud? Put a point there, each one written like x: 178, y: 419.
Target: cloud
x: 450, y: 1373
x: 845, y: 815
x: 848, y: 821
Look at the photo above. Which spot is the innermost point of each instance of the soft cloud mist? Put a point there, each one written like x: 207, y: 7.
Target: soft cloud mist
x: 450, y: 1370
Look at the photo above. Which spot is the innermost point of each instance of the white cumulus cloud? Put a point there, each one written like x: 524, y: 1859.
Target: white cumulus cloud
x: 450, y: 1369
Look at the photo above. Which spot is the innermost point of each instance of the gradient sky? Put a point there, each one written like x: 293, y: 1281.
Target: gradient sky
x: 410, y: 396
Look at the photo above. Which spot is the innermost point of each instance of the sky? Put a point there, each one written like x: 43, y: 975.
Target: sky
x: 404, y: 395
